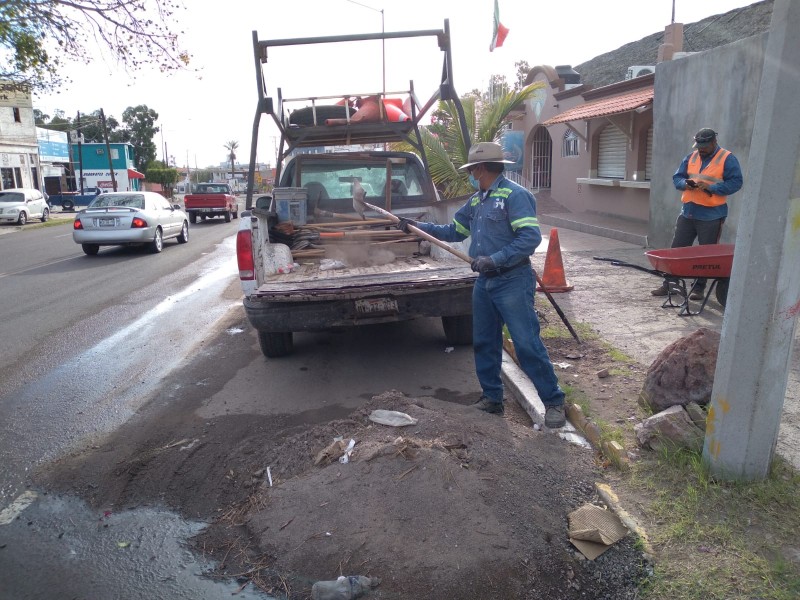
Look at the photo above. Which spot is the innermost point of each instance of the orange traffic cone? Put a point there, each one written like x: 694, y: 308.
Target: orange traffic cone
x: 553, y: 277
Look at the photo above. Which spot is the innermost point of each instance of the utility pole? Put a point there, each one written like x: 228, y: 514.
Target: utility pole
x: 80, y: 151
x: 756, y: 345
x: 108, y: 150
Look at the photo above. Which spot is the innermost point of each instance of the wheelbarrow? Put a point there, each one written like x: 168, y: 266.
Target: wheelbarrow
x: 675, y: 265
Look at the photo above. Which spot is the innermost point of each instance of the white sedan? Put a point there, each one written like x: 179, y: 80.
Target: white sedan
x: 129, y: 218
x: 20, y: 205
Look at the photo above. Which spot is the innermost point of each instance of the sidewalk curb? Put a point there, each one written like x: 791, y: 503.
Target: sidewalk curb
x: 524, y: 392
x: 611, y: 500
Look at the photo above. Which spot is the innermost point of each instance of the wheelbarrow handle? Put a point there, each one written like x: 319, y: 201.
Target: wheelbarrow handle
x: 620, y: 263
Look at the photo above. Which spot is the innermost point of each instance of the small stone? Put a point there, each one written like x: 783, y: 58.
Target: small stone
x: 602, y: 373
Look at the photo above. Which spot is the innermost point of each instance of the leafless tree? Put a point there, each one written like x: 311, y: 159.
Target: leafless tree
x: 40, y: 36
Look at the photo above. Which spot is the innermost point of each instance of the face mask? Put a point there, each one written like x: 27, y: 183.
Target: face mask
x: 474, y: 182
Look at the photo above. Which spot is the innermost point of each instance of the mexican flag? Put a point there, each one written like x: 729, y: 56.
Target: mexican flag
x: 500, y: 32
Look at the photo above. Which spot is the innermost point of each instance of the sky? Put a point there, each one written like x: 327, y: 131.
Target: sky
x: 213, y: 101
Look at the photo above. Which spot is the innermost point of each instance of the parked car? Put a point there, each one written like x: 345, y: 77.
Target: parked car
x: 129, y: 218
x: 20, y: 205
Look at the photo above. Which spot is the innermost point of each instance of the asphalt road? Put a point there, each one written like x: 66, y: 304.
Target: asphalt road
x: 75, y: 336
x: 47, y: 283
x: 86, y: 343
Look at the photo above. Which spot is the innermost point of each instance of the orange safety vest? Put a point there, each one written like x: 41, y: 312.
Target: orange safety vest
x: 711, y: 174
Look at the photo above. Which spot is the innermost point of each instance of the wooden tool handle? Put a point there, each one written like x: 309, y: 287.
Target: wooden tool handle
x: 420, y: 233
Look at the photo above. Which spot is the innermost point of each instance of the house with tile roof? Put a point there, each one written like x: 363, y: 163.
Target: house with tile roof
x: 601, y: 141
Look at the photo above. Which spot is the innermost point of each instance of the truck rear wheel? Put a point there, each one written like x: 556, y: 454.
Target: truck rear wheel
x: 275, y: 345
x: 227, y: 216
x: 192, y: 218
x: 458, y: 330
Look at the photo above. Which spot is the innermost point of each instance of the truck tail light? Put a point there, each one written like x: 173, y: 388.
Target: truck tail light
x: 76, y: 224
x: 244, y: 255
x: 138, y: 223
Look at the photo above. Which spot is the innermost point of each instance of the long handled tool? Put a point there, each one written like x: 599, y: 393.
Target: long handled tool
x: 467, y: 259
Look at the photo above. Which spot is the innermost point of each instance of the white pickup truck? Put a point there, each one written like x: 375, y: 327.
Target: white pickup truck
x: 324, y: 265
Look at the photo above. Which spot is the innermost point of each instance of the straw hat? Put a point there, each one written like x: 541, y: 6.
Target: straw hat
x: 484, y: 152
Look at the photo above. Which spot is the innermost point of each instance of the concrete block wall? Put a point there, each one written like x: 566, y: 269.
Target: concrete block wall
x: 718, y: 89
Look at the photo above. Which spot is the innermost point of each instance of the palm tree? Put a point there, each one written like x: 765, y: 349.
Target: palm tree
x: 231, y: 147
x: 445, y: 147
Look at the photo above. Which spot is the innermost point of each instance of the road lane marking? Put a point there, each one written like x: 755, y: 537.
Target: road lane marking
x: 22, y: 502
x: 47, y: 264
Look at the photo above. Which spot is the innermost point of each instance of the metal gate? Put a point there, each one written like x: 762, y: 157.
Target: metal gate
x: 541, y: 159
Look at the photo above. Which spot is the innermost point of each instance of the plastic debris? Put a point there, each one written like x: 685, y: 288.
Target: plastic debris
x: 448, y: 350
x: 392, y: 418
x: 327, y: 264
x: 123, y: 544
x: 269, y: 476
x: 343, y: 588
x: 345, y: 458
x: 288, y: 268
x: 331, y: 453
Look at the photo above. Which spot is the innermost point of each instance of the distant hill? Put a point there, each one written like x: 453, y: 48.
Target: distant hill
x: 711, y: 32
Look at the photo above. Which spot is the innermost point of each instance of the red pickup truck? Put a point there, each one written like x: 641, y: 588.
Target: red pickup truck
x: 211, y: 200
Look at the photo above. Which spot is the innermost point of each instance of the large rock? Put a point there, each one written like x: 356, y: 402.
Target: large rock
x: 683, y: 372
x: 672, y: 429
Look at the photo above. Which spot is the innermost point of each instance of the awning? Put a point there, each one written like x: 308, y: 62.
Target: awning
x: 605, y: 107
x: 134, y: 174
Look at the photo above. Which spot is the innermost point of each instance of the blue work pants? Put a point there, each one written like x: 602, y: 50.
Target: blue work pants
x: 508, y: 298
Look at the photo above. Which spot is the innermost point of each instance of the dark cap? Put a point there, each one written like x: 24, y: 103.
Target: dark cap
x: 705, y: 136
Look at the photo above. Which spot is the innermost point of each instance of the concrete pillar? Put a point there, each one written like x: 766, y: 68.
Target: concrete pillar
x: 673, y: 42
x: 764, y: 296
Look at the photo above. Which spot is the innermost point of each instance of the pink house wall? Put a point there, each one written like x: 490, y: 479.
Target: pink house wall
x: 574, y: 183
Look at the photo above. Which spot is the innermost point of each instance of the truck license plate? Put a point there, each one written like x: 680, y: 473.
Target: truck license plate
x: 373, y: 306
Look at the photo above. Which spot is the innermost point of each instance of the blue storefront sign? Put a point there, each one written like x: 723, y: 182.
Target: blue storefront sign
x: 53, y: 145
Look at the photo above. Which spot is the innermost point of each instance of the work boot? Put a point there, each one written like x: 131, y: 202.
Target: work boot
x: 660, y: 291
x: 489, y: 406
x: 554, y: 417
x: 697, y: 294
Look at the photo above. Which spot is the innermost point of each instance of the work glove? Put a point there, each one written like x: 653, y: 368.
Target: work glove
x: 403, y: 224
x: 483, y: 264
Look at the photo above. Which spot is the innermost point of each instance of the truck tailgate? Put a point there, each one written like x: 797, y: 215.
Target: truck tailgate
x: 404, y: 274
x: 205, y: 201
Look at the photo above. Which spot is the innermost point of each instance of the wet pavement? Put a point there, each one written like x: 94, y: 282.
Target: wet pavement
x: 88, y: 554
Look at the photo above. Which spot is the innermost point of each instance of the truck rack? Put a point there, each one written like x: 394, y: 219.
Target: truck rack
x: 318, y: 133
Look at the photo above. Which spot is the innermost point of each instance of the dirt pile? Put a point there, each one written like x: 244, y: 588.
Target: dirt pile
x: 460, y: 505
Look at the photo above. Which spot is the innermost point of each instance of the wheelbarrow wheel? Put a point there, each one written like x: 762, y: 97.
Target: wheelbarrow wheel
x: 721, y: 291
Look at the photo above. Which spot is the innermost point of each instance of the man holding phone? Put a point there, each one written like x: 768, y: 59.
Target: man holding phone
x: 706, y: 177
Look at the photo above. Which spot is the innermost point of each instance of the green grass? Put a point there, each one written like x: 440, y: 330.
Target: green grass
x: 557, y: 330
x: 618, y: 356
x: 38, y: 224
x: 719, y: 540
x: 620, y: 371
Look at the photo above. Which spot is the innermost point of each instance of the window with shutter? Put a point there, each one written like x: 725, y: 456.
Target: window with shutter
x: 611, y: 150
x: 648, y: 161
